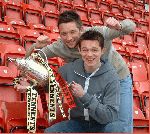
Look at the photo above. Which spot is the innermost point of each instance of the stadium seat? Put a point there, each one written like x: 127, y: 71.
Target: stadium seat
x: 64, y: 7
x: 129, y: 39
x: 6, y: 75
x: 32, y: 14
x: 51, y: 6
x: 13, y: 9
x: 1, y: 10
x: 8, y: 35
x: 28, y: 36
x: 50, y: 20
x: 140, y: 124
x: 146, y: 15
x: 39, y: 27
x: 141, y: 38
x: 119, y: 16
x: 143, y: 24
x: 15, y: 119
x: 9, y: 94
x: 117, y: 43
x: 36, y: 3
x: 130, y: 3
x: 115, y: 8
x: 137, y: 13
x: 15, y: 51
x: 137, y: 67
x: 83, y: 12
x: 139, y: 4
x: 144, y: 88
x: 104, y: 6
x: 95, y: 17
x: 80, y: 3
x: 53, y: 36
x: 106, y: 15
x: 92, y: 4
x: 15, y: 22
x: 65, y: 2
x: 127, y: 11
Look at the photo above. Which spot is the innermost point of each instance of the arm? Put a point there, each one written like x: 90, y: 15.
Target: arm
x: 107, y: 110
x: 114, y: 28
x: 41, y: 42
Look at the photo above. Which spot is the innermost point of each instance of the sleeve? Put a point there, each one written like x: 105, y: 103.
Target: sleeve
x: 107, y: 110
x: 48, y: 51
x: 30, y: 50
x: 127, y: 26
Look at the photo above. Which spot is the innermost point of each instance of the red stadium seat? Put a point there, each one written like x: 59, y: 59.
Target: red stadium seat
x: 13, y: 9
x: 50, y: 6
x: 8, y: 35
x: 92, y: 4
x: 52, y: 36
x: 130, y: 3
x: 117, y: 43
x: 127, y: 11
x: 15, y: 22
x: 115, y: 8
x: 139, y: 4
x: 50, y: 20
x: 106, y: 15
x: 36, y: 3
x: 6, y: 75
x: 137, y: 13
x: 16, y: 119
x: 137, y: 53
x: 79, y: 3
x: 146, y: 15
x: 104, y: 6
x: 65, y: 2
x: 39, y: 27
x: 83, y: 12
x: 32, y: 14
x: 140, y: 124
x: 1, y: 10
x: 95, y: 17
x: 136, y: 68
x: 64, y: 7
x: 28, y: 37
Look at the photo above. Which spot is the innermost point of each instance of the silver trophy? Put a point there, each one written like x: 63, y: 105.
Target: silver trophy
x: 32, y: 70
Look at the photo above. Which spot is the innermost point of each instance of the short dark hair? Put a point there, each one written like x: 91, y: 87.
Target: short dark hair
x: 91, y: 35
x: 69, y: 16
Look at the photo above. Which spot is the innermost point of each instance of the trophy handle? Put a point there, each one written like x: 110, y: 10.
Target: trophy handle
x: 11, y: 59
x: 43, y: 54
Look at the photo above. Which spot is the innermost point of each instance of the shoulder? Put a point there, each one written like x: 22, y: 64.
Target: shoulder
x: 111, y: 71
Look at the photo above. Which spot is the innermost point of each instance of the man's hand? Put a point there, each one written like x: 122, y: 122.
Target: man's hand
x: 22, y: 86
x: 113, y: 23
x: 42, y: 41
x: 77, y: 89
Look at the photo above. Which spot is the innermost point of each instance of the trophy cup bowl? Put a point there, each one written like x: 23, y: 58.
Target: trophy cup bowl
x: 32, y: 70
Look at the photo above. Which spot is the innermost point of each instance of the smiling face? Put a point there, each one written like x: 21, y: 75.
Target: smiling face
x: 69, y: 33
x: 91, y: 52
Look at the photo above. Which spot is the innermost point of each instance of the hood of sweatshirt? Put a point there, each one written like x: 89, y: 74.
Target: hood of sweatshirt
x: 79, y: 67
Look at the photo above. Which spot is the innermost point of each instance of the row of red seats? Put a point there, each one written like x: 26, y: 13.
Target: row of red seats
x: 15, y: 31
x: 33, y: 11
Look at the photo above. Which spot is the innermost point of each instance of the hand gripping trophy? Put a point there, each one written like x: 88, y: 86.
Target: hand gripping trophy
x: 38, y: 72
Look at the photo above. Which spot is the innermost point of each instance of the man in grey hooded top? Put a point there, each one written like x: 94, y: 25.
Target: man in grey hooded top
x: 95, y: 87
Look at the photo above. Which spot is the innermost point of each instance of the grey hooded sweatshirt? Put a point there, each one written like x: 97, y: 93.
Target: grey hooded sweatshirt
x: 102, y: 95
